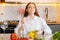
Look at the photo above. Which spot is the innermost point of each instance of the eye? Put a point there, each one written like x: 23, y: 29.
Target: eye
x: 33, y: 7
x: 29, y: 7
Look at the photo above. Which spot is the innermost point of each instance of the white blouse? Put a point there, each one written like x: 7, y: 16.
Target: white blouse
x: 36, y: 23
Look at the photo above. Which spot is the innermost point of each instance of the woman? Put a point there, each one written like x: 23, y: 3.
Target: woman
x: 32, y: 21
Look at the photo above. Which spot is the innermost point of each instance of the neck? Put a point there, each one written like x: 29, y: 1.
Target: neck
x: 31, y: 15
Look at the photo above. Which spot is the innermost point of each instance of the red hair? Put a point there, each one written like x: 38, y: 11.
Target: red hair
x: 26, y: 13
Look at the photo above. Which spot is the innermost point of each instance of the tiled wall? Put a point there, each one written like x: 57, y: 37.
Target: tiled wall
x: 11, y: 12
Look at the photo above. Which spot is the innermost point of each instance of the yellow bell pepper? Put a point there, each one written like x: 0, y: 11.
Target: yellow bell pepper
x: 32, y: 34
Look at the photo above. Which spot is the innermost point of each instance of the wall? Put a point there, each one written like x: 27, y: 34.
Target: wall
x: 58, y: 13
x: 11, y: 12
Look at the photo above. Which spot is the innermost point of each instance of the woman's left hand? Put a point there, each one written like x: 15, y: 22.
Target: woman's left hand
x: 39, y: 32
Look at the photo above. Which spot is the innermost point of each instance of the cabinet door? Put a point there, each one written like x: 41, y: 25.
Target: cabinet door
x: 54, y: 27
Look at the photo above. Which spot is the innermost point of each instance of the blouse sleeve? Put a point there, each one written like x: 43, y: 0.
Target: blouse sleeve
x: 45, y: 27
x: 16, y: 29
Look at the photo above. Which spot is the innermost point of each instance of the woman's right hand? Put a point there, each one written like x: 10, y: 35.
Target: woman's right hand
x: 22, y: 22
x: 22, y: 25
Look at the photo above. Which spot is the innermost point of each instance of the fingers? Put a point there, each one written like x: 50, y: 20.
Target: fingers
x: 19, y: 30
x: 39, y: 32
x: 22, y: 21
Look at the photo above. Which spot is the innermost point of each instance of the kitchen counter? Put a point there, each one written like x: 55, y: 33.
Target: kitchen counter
x: 53, y: 23
x: 4, y: 36
x: 1, y: 23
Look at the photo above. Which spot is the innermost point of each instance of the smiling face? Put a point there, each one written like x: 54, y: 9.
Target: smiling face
x: 31, y: 9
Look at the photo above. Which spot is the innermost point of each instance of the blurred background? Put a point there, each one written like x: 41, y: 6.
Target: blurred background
x: 10, y: 14
x: 48, y: 9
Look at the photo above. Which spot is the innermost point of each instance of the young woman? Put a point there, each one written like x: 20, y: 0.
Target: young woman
x: 32, y: 21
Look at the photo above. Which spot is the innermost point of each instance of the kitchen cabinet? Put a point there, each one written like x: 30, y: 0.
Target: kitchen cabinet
x: 26, y: 1
x: 10, y: 27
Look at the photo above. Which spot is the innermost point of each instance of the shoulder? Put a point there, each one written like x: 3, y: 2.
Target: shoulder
x: 42, y: 19
x: 39, y: 18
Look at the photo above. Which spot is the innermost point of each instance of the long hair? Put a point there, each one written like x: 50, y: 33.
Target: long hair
x: 26, y: 13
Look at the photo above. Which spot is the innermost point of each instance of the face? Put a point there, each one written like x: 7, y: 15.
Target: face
x: 31, y: 9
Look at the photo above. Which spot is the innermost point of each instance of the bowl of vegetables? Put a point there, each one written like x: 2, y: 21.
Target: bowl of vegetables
x: 33, y: 35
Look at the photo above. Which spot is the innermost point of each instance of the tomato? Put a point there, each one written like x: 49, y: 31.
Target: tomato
x: 13, y: 36
x: 13, y: 39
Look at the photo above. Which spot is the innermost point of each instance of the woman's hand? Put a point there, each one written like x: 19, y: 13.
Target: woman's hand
x: 22, y: 25
x: 39, y: 34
